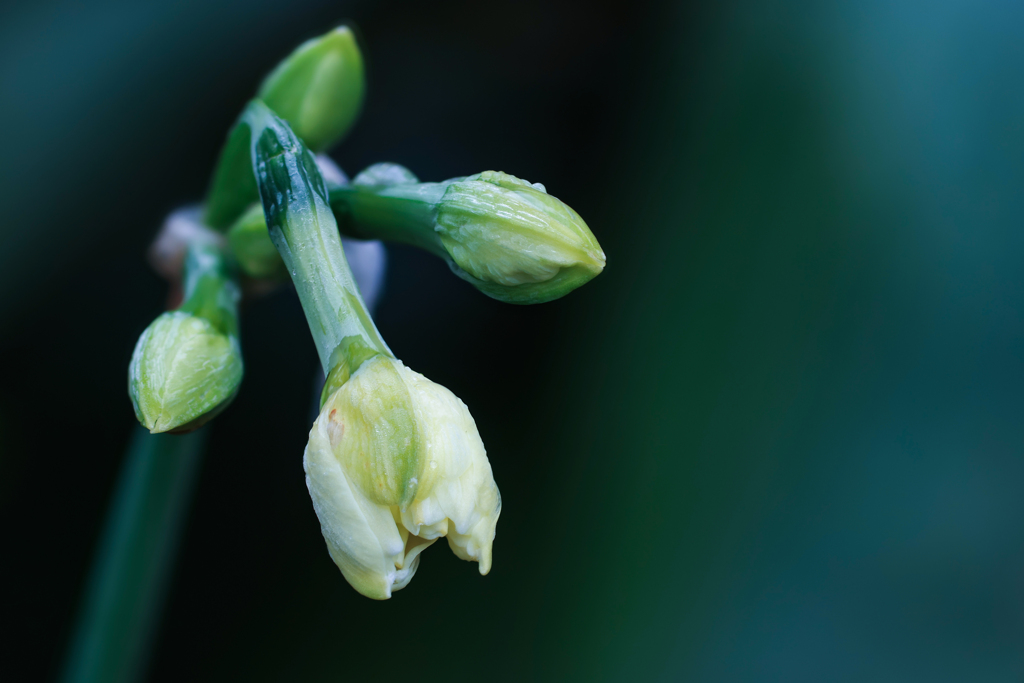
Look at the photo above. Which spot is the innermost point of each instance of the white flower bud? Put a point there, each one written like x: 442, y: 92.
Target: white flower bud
x: 394, y: 462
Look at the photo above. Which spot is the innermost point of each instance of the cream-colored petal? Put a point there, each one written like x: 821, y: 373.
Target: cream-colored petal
x: 373, y: 536
x: 362, y: 537
x: 457, y: 483
x: 474, y: 541
x: 412, y: 561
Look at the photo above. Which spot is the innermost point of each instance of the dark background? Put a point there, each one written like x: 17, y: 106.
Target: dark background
x: 780, y: 438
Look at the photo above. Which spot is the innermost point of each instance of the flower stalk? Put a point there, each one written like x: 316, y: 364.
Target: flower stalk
x: 303, y: 229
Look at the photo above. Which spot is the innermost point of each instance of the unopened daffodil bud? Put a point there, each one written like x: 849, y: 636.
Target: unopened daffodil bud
x: 393, y: 463
x: 318, y: 89
x: 187, y: 364
x: 508, y: 237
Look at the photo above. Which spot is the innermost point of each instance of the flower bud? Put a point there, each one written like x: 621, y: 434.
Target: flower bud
x: 187, y: 365
x: 513, y: 240
x: 250, y: 243
x: 509, y: 238
x: 318, y: 89
x: 393, y: 463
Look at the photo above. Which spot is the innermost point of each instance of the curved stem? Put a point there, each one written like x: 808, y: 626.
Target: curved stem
x: 305, y: 233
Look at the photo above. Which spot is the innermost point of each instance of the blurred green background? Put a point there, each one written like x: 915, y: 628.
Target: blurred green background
x: 780, y: 438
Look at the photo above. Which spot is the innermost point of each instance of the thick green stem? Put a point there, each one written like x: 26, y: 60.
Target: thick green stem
x: 125, y: 590
x: 305, y: 233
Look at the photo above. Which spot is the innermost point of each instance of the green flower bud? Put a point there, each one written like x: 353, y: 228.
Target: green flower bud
x: 187, y: 364
x: 318, y: 89
x: 514, y: 241
x: 250, y: 243
x: 393, y: 463
x: 509, y: 238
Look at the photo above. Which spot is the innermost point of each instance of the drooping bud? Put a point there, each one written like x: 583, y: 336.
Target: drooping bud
x: 187, y: 365
x: 509, y: 238
x: 393, y: 463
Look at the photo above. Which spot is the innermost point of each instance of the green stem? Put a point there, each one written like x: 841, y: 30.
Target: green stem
x: 305, y: 233
x: 124, y: 593
x: 209, y: 290
x: 398, y: 213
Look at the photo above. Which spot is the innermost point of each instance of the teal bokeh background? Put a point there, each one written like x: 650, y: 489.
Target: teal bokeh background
x: 780, y: 438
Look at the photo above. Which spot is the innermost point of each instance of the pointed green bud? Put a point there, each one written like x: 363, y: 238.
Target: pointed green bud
x: 514, y: 241
x: 393, y: 463
x: 509, y: 238
x: 187, y: 364
x: 318, y: 89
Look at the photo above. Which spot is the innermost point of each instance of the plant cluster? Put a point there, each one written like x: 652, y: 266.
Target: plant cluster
x: 394, y: 461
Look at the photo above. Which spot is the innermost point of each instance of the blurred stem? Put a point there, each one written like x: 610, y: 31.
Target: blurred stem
x: 126, y: 585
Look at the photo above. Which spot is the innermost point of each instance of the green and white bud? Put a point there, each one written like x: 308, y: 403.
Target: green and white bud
x: 509, y: 238
x: 187, y: 365
x: 393, y: 463
x: 318, y: 89
x: 514, y: 241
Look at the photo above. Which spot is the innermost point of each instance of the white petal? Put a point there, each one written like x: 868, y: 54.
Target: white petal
x: 361, y: 536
